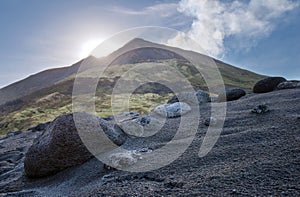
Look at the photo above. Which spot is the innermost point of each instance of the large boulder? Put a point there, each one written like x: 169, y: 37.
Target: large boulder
x: 231, y: 95
x: 60, y: 145
x: 172, y: 110
x: 268, y: 84
x: 188, y: 97
x: 289, y: 85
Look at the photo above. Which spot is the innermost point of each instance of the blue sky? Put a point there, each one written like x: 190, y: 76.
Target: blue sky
x: 262, y: 36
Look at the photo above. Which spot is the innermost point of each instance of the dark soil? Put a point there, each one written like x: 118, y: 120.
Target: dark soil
x: 256, y: 155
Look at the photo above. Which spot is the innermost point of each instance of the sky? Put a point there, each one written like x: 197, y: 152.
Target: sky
x: 258, y: 35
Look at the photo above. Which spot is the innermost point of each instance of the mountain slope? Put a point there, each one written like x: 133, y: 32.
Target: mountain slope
x: 45, y: 95
x: 142, y: 51
x: 256, y: 155
x: 36, y: 82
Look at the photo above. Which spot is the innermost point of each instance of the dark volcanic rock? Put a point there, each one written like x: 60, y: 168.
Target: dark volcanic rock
x: 289, y: 85
x: 13, y: 133
x: 39, y: 127
x: 260, y: 109
x: 268, y: 84
x: 255, y: 155
x: 144, y: 120
x: 231, y: 95
x: 60, y: 146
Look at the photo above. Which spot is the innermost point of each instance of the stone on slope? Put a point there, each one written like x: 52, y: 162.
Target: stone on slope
x: 60, y: 145
x: 122, y: 159
x: 231, y: 95
x: 211, y: 121
x: 39, y: 127
x: 289, y: 85
x: 260, y: 109
x: 143, y: 126
x: 172, y: 110
x: 188, y: 97
x: 126, y: 116
x: 268, y: 84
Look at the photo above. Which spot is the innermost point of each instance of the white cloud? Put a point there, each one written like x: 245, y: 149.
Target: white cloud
x: 162, y: 10
x: 216, y: 20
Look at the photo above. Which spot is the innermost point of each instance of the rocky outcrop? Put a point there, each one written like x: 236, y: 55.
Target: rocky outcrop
x: 268, y: 84
x: 231, y: 95
x: 289, y: 85
x: 60, y: 146
x: 189, y: 98
x: 172, y: 110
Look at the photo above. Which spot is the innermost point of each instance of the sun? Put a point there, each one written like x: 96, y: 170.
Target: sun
x: 88, y: 47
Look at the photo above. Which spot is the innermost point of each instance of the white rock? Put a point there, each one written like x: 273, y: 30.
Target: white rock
x: 191, y: 98
x: 121, y: 160
x: 144, y: 126
x: 289, y: 85
x: 172, y: 110
x: 132, y: 128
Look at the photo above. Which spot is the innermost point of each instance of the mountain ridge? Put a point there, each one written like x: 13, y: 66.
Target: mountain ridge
x: 51, y: 76
x: 20, y: 105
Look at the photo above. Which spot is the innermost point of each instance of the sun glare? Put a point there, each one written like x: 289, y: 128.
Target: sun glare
x: 88, y: 47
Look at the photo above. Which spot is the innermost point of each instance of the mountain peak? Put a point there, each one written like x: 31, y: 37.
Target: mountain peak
x: 138, y: 42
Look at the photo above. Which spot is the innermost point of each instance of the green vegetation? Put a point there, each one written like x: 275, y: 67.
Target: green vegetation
x: 48, y: 103
x: 49, y: 107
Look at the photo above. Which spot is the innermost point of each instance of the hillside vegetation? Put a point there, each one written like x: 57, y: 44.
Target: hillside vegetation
x: 51, y: 98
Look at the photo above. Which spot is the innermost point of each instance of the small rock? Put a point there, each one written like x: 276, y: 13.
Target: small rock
x: 120, y: 160
x: 145, y: 150
x: 268, y: 84
x: 210, y: 121
x: 144, y: 120
x: 189, y: 98
x: 142, y: 151
x: 231, y: 95
x: 152, y: 177
x: 13, y: 133
x: 172, y: 110
x: 126, y: 116
x: 39, y: 127
x: 108, y: 118
x: 260, y: 109
x: 132, y: 128
x: 143, y: 126
x: 289, y: 85
x: 173, y: 184
x: 10, y: 134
